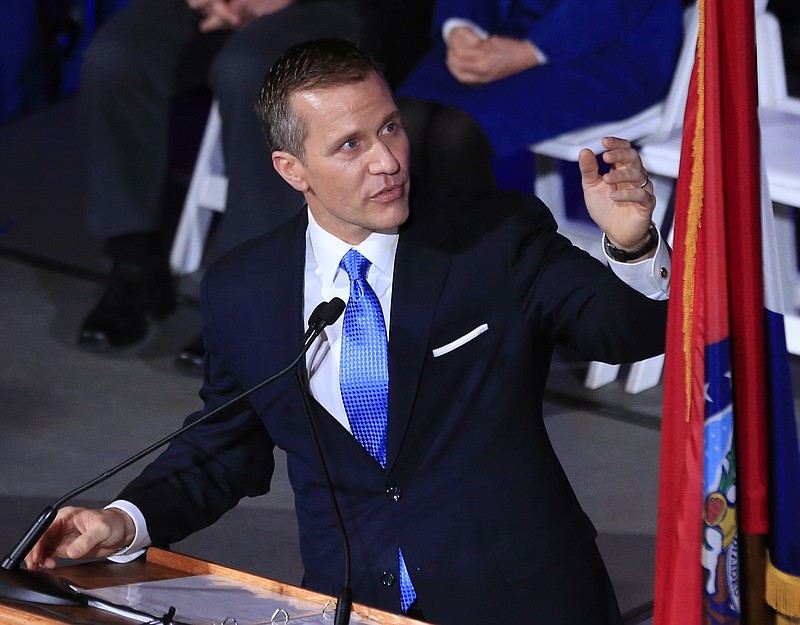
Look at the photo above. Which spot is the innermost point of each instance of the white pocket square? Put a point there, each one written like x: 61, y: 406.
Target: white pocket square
x: 444, y: 349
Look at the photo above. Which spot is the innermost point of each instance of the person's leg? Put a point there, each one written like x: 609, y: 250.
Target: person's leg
x: 258, y: 198
x: 130, y: 73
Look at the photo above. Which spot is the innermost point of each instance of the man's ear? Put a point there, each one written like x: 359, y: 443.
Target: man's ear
x: 290, y: 169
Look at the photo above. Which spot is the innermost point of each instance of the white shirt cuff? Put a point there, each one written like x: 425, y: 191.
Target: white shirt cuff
x: 141, y: 539
x: 649, y: 276
x: 541, y: 57
x: 454, y: 22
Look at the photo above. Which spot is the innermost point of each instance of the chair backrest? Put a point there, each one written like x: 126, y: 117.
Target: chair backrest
x: 771, y: 65
x: 772, y: 86
x: 675, y: 102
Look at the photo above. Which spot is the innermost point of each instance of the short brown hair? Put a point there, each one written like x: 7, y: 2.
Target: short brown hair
x: 315, y: 64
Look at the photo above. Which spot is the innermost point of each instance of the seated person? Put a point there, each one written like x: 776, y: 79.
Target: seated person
x: 507, y: 74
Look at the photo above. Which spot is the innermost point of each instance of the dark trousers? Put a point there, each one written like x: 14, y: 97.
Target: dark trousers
x: 138, y: 62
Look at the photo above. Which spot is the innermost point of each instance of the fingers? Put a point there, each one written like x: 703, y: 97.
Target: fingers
x: 463, y: 37
x: 641, y: 196
x: 199, y: 5
x: 217, y: 15
x: 257, y: 8
x: 621, y: 201
x: 81, y: 532
x: 220, y: 17
x: 41, y: 556
x: 84, y: 544
x: 627, y: 170
x: 590, y: 171
x: 43, y: 552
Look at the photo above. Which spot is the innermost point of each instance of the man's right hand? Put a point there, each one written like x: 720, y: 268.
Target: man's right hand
x: 233, y: 14
x: 217, y: 15
x: 82, y: 533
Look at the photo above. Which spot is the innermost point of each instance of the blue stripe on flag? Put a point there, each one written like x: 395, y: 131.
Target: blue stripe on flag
x: 785, y: 453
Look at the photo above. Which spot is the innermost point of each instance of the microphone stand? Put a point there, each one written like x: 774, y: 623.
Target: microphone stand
x: 344, y: 602
x: 27, y: 586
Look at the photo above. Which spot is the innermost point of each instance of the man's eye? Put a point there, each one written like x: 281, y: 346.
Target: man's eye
x: 349, y: 145
x: 390, y: 128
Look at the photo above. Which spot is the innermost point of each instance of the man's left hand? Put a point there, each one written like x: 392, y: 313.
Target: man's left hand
x: 620, y: 202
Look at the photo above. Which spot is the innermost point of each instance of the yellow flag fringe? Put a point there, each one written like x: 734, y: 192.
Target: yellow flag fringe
x: 783, y: 594
x: 695, y: 211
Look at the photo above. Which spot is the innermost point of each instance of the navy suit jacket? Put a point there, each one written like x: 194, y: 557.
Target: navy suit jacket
x: 472, y: 490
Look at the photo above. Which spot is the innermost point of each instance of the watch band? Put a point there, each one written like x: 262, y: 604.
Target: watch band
x: 625, y: 256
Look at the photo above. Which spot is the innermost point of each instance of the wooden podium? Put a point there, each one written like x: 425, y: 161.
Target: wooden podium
x: 163, y: 565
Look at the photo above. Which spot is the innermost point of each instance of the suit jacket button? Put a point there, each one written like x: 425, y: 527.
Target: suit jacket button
x: 387, y: 578
x: 394, y: 493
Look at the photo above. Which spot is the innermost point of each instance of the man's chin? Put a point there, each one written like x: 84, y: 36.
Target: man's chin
x: 392, y: 217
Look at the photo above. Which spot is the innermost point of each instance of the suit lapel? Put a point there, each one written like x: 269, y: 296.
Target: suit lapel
x: 278, y: 280
x: 294, y: 279
x: 419, y: 275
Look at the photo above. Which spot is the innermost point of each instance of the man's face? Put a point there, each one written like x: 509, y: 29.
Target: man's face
x: 355, y: 175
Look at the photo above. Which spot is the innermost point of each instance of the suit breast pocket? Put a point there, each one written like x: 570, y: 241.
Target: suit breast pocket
x: 464, y: 346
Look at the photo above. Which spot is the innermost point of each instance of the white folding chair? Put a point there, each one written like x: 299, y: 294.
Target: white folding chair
x: 206, y: 195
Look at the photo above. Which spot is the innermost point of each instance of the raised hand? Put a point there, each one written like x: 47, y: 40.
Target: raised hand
x: 620, y: 202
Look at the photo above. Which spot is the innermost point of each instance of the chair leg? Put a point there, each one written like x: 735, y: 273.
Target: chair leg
x: 644, y: 374
x: 599, y: 374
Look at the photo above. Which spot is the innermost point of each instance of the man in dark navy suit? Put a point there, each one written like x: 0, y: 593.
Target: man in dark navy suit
x: 457, y: 508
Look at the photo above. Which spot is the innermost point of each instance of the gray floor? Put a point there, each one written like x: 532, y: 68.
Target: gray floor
x: 67, y: 416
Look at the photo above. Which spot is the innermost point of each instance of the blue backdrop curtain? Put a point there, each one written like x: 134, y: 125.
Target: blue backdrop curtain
x: 41, y: 45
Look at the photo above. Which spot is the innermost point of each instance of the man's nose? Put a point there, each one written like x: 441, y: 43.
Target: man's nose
x: 383, y: 160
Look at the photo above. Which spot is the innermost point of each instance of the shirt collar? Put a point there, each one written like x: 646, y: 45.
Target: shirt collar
x: 328, y: 250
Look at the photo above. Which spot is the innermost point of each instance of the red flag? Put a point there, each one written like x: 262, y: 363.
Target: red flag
x: 713, y: 487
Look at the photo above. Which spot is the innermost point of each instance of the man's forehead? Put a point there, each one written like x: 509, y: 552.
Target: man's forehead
x: 335, y: 105
x: 320, y: 90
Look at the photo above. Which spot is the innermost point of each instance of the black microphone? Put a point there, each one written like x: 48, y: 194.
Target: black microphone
x: 314, y: 318
x: 31, y: 587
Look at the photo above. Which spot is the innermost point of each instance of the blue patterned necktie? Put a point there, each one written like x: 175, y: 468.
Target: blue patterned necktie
x: 364, y: 365
x: 364, y: 376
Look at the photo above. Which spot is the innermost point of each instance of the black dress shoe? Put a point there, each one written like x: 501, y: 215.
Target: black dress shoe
x: 137, y: 292
x: 190, y: 358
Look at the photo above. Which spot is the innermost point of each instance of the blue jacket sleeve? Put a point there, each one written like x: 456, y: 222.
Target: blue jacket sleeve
x: 485, y: 14
x: 570, y: 29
